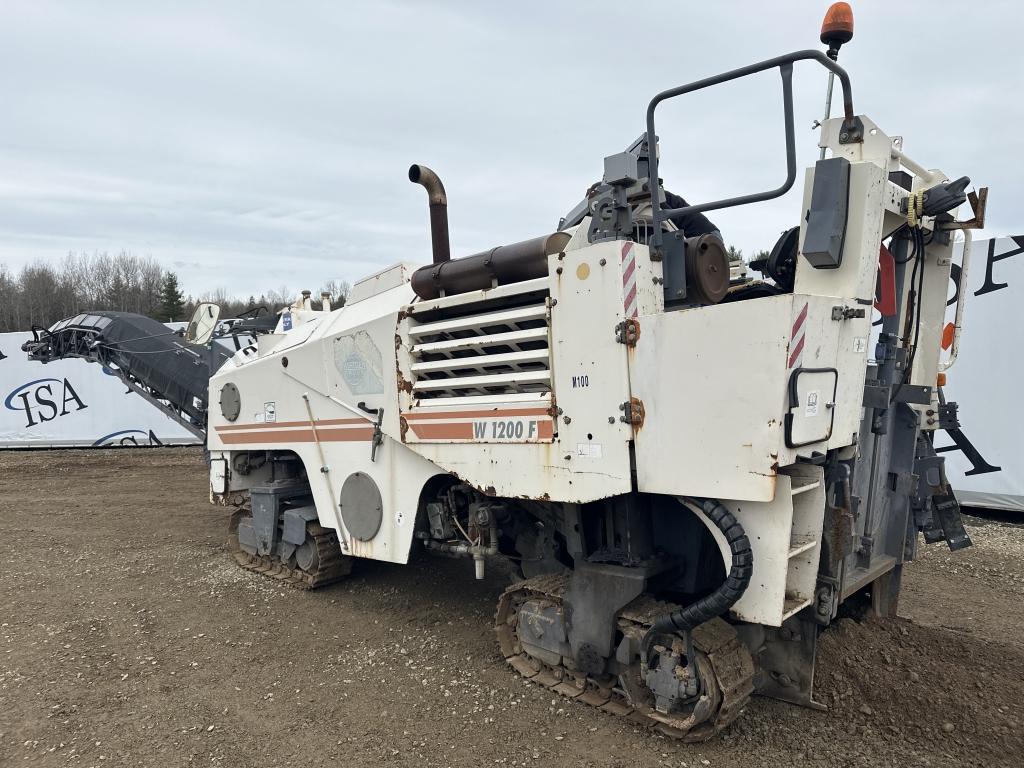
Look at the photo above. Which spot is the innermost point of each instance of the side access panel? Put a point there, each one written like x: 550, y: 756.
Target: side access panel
x: 715, y: 387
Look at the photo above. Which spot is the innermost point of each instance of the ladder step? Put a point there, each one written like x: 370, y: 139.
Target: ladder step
x: 793, y: 605
x: 799, y: 547
x: 804, y: 488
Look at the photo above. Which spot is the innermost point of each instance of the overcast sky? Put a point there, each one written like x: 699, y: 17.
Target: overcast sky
x: 258, y: 145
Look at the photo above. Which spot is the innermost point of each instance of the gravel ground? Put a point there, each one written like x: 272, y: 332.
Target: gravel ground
x: 129, y: 637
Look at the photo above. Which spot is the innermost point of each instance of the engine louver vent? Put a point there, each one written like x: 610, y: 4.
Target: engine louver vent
x: 500, y: 352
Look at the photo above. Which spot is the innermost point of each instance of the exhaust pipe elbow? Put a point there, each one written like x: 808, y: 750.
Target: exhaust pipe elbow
x: 420, y: 174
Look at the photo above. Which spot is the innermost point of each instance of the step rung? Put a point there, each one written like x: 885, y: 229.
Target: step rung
x: 809, y: 487
x: 793, y: 605
x: 799, y: 547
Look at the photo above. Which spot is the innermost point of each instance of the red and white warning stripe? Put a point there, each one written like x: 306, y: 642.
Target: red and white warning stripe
x: 629, y: 280
x: 797, y: 339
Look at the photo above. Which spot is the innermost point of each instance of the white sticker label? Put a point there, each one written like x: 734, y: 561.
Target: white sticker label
x: 270, y: 411
x: 812, y: 404
x: 589, y: 450
x: 860, y: 344
x: 258, y: 417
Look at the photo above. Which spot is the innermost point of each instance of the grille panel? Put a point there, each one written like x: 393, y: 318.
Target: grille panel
x: 499, y: 352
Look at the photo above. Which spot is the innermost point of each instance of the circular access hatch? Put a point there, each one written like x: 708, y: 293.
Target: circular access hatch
x: 230, y: 401
x: 361, y: 506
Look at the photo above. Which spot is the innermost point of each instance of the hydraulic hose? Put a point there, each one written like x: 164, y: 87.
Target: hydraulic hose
x: 731, y: 590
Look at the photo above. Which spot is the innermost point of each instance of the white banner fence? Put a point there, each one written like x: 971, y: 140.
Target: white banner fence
x: 74, y: 403
x: 987, y: 466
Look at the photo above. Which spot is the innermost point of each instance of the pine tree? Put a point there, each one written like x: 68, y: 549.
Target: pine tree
x: 172, y: 303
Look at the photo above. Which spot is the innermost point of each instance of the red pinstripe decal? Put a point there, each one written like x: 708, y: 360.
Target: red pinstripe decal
x: 796, y: 351
x: 798, y: 323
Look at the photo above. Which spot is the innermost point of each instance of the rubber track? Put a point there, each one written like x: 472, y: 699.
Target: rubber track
x: 727, y: 660
x: 333, y: 566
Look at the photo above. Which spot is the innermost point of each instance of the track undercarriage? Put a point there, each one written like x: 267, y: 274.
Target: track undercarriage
x: 316, y: 562
x: 687, y: 688
x: 530, y: 624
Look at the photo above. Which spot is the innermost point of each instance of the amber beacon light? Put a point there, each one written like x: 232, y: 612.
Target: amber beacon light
x: 837, y: 28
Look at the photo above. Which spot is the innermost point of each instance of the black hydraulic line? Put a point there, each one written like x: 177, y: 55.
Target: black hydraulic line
x: 729, y: 592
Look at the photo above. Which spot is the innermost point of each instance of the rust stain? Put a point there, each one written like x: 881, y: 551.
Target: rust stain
x: 635, y: 331
x: 403, y: 426
x: 404, y: 385
x: 637, y: 413
x: 490, y: 491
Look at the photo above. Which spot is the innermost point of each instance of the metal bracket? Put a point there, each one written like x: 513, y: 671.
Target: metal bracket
x: 633, y: 412
x: 947, y: 510
x: 978, y: 201
x: 611, y: 215
x: 877, y: 396
x: 914, y: 393
x: 852, y: 131
x: 847, y: 313
x: 378, y: 435
x: 949, y: 416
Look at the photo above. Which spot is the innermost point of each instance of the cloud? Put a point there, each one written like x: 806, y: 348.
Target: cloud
x: 250, y: 146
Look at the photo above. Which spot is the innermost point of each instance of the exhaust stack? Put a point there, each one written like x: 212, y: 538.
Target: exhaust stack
x: 420, y: 174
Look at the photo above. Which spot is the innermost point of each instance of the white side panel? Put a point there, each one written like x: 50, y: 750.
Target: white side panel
x: 852, y: 286
x: 712, y: 381
x: 855, y: 277
x: 590, y: 368
x: 582, y: 454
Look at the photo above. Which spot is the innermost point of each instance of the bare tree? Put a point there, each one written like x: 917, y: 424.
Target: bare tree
x: 41, y: 294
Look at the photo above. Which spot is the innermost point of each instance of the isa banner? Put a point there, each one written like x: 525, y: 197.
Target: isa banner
x: 984, y: 459
x: 74, y: 403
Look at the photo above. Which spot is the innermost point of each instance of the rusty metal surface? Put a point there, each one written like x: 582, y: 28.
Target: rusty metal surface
x: 513, y: 263
x: 634, y: 413
x: 628, y: 332
x: 979, y: 202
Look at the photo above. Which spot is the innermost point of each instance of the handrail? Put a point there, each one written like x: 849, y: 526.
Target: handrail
x: 851, y: 132
x: 961, y: 300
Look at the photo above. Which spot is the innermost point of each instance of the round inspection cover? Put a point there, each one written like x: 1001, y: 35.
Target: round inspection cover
x: 230, y: 401
x: 361, y: 506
